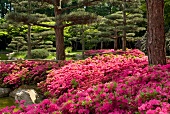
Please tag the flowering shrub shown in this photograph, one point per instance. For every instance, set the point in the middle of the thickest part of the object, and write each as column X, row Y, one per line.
column 27, row 72
column 92, row 52
column 155, row 107
column 134, row 52
column 89, row 72
column 107, row 84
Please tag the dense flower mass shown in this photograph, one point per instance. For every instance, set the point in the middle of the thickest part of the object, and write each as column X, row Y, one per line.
column 91, row 71
column 134, row 52
column 26, row 72
column 106, row 84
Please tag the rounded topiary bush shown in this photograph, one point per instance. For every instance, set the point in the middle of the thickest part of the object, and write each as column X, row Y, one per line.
column 39, row 54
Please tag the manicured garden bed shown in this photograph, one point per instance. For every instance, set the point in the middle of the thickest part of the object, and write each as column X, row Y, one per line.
column 118, row 83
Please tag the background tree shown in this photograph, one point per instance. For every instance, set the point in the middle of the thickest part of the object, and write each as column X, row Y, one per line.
column 155, row 32
column 5, row 6
column 90, row 37
column 167, row 15
column 5, row 38
column 24, row 12
column 39, row 39
column 129, row 17
column 103, row 34
column 81, row 35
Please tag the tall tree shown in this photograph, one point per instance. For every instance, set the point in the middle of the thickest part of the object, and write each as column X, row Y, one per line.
column 104, row 34
column 24, row 13
column 131, row 17
column 73, row 18
column 155, row 32
column 39, row 39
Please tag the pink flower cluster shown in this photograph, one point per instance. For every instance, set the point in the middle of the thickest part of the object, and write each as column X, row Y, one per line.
column 45, row 107
column 100, row 51
column 134, row 52
column 91, row 71
column 26, row 72
column 154, row 107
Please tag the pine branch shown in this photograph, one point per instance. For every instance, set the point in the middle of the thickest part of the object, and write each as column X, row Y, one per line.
column 44, row 25
column 79, row 17
column 81, row 4
column 20, row 41
column 35, row 43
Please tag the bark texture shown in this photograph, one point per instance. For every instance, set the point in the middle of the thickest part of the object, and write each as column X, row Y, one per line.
column 155, row 32
column 124, row 24
column 29, row 42
column 60, row 50
column 115, row 44
column 116, row 40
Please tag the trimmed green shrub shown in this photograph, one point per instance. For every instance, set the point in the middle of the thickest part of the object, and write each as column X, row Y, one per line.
column 68, row 49
column 39, row 54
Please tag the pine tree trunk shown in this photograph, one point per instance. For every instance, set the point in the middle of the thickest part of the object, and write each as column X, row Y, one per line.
column 59, row 29
column 124, row 26
column 29, row 42
column 83, row 42
column 101, row 45
column 76, row 45
column 155, row 32
column 60, row 50
column 115, row 43
column 116, row 40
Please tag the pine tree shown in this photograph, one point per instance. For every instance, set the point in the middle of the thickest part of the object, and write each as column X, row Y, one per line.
column 89, row 31
column 104, row 34
column 131, row 17
column 81, row 35
column 25, row 13
column 39, row 39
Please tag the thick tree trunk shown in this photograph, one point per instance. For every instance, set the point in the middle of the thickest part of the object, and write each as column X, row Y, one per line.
column 155, row 32
column 124, row 25
column 60, row 50
column 29, row 42
column 59, row 29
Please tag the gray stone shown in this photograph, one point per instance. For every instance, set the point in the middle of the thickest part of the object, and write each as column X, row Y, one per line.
column 4, row 92
column 29, row 95
column 24, row 95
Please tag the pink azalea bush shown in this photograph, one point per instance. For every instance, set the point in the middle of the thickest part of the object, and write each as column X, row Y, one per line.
column 154, row 107
column 107, row 84
column 134, row 52
column 26, row 72
column 99, row 51
column 86, row 73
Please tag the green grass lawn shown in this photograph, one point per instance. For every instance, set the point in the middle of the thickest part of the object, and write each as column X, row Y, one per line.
column 3, row 57
column 6, row 101
column 22, row 55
